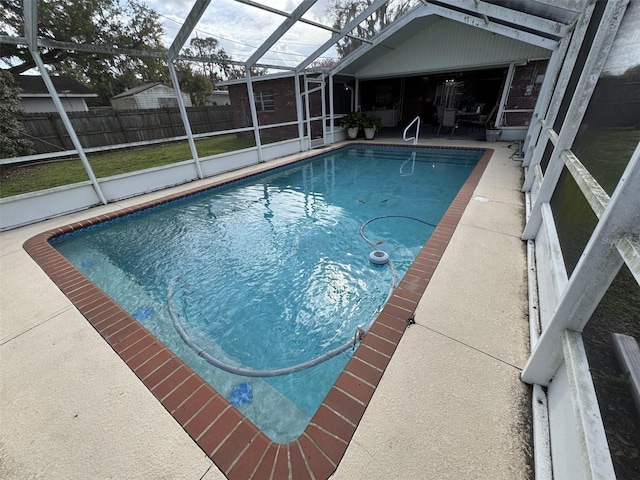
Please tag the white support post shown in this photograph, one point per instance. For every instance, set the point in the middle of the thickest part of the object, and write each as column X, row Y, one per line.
column 279, row 32
column 533, row 157
column 596, row 269
column 324, row 109
column 254, row 114
column 30, row 26
column 296, row 79
column 596, row 457
column 542, row 104
column 505, row 94
column 608, row 27
column 196, row 12
column 185, row 119
column 331, row 110
column 307, row 108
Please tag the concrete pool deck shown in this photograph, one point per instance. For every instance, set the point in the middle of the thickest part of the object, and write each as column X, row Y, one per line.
column 450, row 404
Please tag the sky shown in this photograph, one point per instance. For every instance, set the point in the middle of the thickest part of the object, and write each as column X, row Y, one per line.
column 241, row 29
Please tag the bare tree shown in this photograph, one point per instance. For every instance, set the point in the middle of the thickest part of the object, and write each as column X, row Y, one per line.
column 218, row 65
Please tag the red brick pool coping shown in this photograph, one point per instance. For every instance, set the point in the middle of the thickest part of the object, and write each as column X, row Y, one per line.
column 238, row 448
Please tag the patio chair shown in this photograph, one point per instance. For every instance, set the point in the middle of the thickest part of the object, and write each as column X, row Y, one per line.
column 449, row 120
column 483, row 120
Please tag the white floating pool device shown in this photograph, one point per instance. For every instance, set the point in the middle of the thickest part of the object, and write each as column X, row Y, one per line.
column 378, row 257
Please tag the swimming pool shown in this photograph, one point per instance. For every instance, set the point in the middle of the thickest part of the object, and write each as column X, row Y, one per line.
column 402, row 169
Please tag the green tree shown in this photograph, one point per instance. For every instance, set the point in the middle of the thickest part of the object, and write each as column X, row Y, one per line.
column 342, row 12
column 11, row 142
column 127, row 24
column 197, row 85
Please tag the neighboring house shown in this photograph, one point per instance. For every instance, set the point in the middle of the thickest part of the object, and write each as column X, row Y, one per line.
column 149, row 95
column 219, row 97
column 36, row 98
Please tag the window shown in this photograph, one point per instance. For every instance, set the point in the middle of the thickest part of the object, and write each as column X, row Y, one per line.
column 264, row 101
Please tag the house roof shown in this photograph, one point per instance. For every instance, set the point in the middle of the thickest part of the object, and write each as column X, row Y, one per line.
column 261, row 78
column 139, row 89
column 33, row 85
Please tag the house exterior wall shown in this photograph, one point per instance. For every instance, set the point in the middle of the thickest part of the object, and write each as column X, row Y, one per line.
column 284, row 101
column 159, row 96
column 523, row 94
column 448, row 45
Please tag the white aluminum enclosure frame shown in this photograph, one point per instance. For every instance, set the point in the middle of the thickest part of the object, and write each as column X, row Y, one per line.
column 564, row 305
column 559, row 306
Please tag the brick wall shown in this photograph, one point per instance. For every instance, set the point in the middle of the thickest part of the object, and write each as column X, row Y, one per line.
column 524, row 92
column 284, row 99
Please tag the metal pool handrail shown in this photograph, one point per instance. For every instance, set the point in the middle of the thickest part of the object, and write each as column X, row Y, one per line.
column 404, row 134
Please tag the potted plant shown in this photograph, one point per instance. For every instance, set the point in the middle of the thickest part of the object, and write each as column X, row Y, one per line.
column 352, row 123
column 371, row 125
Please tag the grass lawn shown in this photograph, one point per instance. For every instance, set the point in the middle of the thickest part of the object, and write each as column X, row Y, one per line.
column 17, row 179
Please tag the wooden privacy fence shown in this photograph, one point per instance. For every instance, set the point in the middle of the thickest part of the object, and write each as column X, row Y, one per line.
column 103, row 127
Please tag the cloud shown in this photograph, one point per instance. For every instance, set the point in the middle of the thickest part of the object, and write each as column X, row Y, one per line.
column 242, row 29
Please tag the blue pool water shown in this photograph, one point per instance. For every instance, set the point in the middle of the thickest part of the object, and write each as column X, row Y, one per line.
column 273, row 271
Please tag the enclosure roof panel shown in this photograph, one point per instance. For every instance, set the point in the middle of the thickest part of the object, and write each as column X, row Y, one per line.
column 300, row 34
